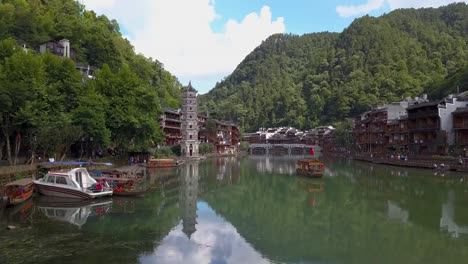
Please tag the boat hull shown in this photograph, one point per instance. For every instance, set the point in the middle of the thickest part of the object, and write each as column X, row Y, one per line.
column 129, row 193
column 310, row 174
column 25, row 197
column 49, row 190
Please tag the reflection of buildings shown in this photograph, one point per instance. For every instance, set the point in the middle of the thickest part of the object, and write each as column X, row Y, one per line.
column 447, row 221
column 396, row 213
column 282, row 165
column 77, row 215
column 228, row 169
column 188, row 196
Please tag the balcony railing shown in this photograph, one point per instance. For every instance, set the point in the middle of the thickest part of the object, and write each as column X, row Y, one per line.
column 423, row 142
column 423, row 126
column 423, row 114
column 460, row 124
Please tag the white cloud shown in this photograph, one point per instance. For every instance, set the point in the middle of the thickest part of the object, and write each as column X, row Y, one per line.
column 178, row 33
column 372, row 5
column 97, row 4
column 395, row 4
column 355, row 10
column 215, row 241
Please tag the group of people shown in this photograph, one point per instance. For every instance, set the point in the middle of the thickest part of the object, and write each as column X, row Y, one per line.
column 398, row 156
column 135, row 160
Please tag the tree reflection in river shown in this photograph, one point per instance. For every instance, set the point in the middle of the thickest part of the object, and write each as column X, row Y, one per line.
column 255, row 210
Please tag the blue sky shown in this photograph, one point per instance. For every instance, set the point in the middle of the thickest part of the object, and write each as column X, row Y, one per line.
column 204, row 40
column 300, row 16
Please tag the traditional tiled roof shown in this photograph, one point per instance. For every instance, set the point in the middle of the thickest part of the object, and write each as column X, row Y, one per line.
column 461, row 110
column 190, row 87
column 415, row 106
column 170, row 110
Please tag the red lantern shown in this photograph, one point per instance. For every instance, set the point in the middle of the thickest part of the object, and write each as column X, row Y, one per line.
column 312, row 151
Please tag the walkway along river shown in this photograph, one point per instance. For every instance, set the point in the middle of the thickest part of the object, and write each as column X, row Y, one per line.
column 253, row 210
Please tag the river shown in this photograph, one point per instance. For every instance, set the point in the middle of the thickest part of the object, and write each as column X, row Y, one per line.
column 253, row 210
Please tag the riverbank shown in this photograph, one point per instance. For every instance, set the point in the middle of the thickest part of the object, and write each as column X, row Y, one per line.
column 421, row 163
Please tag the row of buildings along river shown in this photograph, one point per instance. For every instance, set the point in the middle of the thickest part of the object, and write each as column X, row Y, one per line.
column 415, row 126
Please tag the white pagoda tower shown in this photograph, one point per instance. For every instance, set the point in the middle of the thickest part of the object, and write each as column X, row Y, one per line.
column 189, row 143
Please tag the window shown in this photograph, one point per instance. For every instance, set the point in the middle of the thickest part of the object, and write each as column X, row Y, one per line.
column 61, row 180
column 190, row 136
column 190, row 126
column 190, row 108
column 51, row 179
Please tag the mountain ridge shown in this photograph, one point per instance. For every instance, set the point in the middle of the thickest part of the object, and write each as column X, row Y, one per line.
column 319, row 78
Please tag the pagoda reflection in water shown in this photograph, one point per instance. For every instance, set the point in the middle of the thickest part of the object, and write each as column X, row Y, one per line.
column 188, row 196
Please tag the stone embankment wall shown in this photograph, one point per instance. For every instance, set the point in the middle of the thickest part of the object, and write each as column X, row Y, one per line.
column 426, row 163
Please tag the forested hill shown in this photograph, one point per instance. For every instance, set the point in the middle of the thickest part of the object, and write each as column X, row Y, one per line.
column 324, row 77
column 44, row 97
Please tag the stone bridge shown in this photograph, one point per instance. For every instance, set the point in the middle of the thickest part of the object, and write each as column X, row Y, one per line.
column 286, row 149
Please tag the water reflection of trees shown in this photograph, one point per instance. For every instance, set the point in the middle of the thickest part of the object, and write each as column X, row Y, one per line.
column 360, row 218
column 116, row 237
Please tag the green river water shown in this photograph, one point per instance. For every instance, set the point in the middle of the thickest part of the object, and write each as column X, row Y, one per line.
column 253, row 210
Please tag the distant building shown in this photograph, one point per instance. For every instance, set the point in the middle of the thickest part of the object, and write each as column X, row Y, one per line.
column 430, row 125
column 62, row 48
column 371, row 128
column 170, row 124
column 396, row 135
column 287, row 135
column 189, row 143
column 460, row 127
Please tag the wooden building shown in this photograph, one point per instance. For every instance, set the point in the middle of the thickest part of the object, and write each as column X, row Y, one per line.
column 460, row 127
column 396, row 135
column 170, row 124
column 425, row 135
column 60, row 48
column 369, row 132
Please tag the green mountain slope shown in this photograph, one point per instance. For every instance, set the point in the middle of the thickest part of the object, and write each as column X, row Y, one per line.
column 46, row 105
column 324, row 77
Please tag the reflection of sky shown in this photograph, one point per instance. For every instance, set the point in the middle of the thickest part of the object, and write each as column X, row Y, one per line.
column 215, row 241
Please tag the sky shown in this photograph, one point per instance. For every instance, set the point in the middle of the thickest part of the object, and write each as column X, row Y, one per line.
column 203, row 41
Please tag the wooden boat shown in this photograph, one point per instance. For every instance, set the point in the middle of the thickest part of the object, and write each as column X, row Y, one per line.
column 310, row 168
column 122, row 186
column 75, row 184
column 163, row 163
column 18, row 191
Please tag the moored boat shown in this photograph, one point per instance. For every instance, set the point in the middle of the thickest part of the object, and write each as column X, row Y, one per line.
column 163, row 163
column 123, row 186
column 74, row 184
column 310, row 168
column 18, row 191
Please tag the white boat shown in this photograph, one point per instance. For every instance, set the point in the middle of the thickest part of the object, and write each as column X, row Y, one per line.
column 75, row 184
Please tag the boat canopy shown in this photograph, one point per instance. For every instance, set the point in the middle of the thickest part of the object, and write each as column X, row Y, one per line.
column 162, row 160
column 76, row 163
column 309, row 162
column 22, row 182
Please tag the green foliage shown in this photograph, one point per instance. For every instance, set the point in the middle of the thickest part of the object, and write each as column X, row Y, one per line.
column 343, row 133
column 176, row 150
column 321, row 78
column 44, row 97
column 164, row 153
column 244, row 146
column 206, row 148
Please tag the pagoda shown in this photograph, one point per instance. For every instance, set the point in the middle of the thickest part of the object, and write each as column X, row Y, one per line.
column 189, row 128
